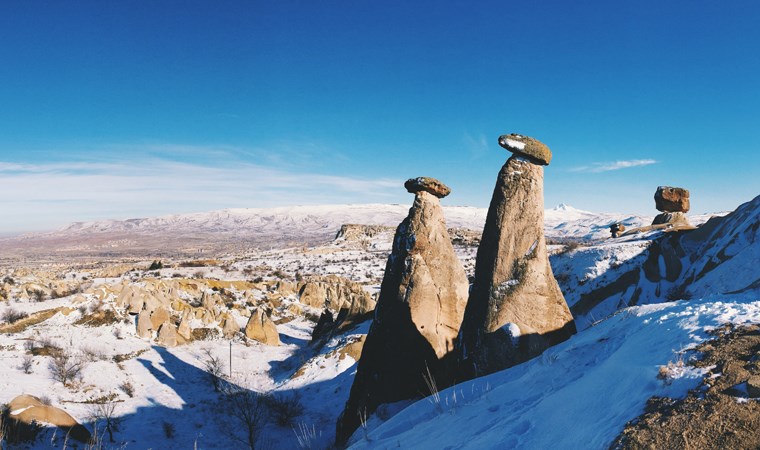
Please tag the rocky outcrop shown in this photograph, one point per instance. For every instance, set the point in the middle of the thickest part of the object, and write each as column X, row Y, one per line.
column 336, row 294
column 26, row 412
column 674, row 218
column 616, row 229
column 261, row 328
column 420, row 307
column 672, row 199
column 515, row 309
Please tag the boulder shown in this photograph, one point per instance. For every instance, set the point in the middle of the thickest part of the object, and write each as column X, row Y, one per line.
column 515, row 308
column 672, row 199
column 427, row 184
column 261, row 328
column 616, row 229
column 144, row 325
column 167, row 335
column 419, row 310
column 536, row 151
column 26, row 410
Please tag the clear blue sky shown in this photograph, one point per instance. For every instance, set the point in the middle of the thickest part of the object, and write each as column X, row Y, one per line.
column 138, row 108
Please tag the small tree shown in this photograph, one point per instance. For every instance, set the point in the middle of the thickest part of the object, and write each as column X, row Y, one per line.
column 248, row 412
column 104, row 411
column 214, row 369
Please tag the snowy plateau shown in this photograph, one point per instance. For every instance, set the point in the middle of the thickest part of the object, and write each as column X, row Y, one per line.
column 77, row 294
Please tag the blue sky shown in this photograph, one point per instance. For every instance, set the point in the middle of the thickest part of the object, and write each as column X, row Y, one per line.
column 140, row 108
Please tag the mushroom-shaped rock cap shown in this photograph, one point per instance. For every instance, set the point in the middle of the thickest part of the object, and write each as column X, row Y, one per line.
column 427, row 184
column 533, row 149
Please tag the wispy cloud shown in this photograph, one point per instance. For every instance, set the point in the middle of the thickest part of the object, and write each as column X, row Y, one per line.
column 615, row 165
column 50, row 195
column 477, row 146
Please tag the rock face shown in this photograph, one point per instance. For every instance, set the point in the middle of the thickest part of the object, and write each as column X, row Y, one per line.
column 144, row 325
column 675, row 218
column 515, row 309
column 672, row 199
column 421, row 305
column 616, row 229
column 336, row 294
column 533, row 149
column 261, row 328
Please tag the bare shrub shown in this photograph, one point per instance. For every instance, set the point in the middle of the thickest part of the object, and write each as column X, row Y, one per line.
column 65, row 368
column 127, row 388
column 11, row 315
column 248, row 412
column 214, row 368
column 39, row 295
column 27, row 364
column 199, row 274
column 284, row 409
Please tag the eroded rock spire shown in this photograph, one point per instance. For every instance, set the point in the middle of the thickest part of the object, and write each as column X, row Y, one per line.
column 515, row 309
column 419, row 310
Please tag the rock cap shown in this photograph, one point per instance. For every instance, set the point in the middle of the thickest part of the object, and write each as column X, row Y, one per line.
column 533, row 149
column 672, row 199
column 427, row 184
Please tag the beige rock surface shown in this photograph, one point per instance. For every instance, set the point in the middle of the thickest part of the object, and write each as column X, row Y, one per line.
column 261, row 328
column 515, row 308
column 421, row 305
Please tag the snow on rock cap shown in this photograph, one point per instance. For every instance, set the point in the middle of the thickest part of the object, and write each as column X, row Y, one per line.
column 427, row 184
column 535, row 150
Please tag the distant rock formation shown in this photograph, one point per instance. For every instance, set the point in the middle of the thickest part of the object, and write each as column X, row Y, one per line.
column 420, row 308
column 261, row 328
column 719, row 257
column 515, row 309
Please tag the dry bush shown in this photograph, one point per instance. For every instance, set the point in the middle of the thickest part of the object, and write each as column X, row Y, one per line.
column 284, row 409
column 27, row 363
column 214, row 368
column 66, row 368
column 10, row 315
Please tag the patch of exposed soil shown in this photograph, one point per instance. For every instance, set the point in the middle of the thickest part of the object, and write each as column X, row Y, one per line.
column 719, row 414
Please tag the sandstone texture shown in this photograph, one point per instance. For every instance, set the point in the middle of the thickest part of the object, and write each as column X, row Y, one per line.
column 515, row 309
column 672, row 199
column 533, row 149
column 419, row 310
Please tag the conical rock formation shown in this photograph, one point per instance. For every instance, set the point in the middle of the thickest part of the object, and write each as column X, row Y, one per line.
column 261, row 328
column 421, row 305
column 516, row 308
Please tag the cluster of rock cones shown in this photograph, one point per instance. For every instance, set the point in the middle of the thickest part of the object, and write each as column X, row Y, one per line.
column 431, row 328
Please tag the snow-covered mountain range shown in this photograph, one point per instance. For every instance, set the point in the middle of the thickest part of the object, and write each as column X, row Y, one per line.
column 235, row 229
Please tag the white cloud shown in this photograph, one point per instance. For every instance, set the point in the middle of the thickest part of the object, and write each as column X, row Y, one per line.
column 51, row 195
column 615, row 165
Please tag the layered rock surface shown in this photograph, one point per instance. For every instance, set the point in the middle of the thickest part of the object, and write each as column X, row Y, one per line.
column 420, row 308
column 515, row 309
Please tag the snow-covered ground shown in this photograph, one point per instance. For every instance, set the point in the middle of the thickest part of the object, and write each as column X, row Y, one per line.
column 578, row 394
